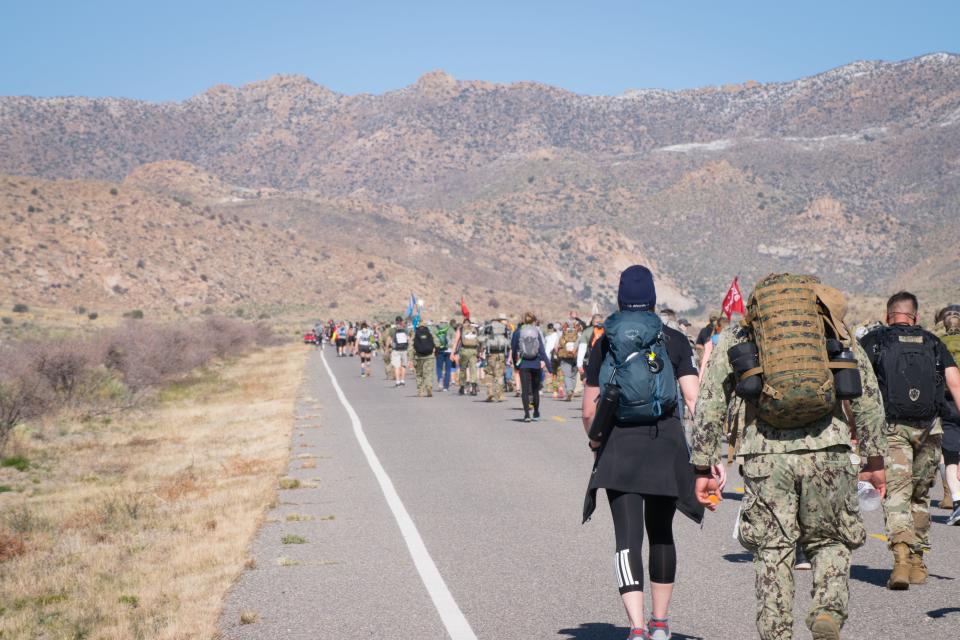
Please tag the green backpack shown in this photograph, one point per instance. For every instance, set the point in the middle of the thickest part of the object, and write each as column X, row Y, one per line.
column 790, row 323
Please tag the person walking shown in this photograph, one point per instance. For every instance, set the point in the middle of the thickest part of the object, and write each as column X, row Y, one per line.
column 799, row 467
column 423, row 359
column 443, row 333
column 566, row 352
column 950, row 336
column 530, row 361
column 911, row 365
column 365, row 346
column 642, row 463
column 398, row 339
column 466, row 348
column 496, row 344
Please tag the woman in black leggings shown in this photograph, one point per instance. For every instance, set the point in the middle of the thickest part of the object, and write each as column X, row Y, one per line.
column 530, row 368
column 643, row 465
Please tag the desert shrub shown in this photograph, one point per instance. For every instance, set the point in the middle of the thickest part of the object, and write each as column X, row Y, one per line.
column 6, row 320
column 20, row 308
column 113, row 191
column 65, row 364
column 115, row 367
column 136, row 314
column 93, row 315
column 24, row 393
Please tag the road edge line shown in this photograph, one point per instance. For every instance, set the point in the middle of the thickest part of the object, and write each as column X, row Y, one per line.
column 458, row 628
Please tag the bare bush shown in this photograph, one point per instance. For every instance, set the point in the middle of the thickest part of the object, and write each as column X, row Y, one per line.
column 65, row 364
column 24, row 393
column 115, row 367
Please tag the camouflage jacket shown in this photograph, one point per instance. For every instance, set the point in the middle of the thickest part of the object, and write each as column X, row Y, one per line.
column 716, row 392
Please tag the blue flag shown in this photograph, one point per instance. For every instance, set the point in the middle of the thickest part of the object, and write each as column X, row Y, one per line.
column 410, row 306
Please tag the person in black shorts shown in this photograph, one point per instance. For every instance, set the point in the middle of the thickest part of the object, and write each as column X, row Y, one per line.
column 644, row 469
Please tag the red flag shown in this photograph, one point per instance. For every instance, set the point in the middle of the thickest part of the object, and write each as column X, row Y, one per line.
column 463, row 309
column 733, row 301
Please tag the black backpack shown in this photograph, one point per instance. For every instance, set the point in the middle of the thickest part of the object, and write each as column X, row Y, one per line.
column 909, row 371
column 423, row 341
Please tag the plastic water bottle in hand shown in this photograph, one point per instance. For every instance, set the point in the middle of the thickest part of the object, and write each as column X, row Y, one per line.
column 868, row 495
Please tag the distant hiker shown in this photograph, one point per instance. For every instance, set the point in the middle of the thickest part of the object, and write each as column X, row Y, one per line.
column 566, row 356
column 642, row 462
column 341, row 340
column 530, row 359
column 588, row 338
column 365, row 346
column 466, row 348
column 550, row 341
column 708, row 348
column 443, row 333
column 912, row 366
column 398, row 339
column 496, row 344
column 423, row 359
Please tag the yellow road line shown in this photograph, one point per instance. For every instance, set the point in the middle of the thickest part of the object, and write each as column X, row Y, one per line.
column 558, row 418
column 878, row 536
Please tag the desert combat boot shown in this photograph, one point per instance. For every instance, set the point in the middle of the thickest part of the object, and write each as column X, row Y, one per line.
column 824, row 627
column 900, row 576
column 918, row 570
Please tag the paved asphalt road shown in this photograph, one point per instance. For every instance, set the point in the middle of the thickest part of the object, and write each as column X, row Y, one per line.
column 497, row 503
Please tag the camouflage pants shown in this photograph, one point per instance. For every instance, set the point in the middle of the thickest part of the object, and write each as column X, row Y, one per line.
column 424, row 369
column 468, row 366
column 911, row 469
column 808, row 497
column 496, row 363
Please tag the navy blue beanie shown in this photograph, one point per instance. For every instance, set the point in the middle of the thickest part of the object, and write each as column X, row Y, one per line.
column 636, row 292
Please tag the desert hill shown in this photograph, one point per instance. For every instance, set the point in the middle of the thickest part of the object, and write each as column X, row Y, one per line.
column 853, row 174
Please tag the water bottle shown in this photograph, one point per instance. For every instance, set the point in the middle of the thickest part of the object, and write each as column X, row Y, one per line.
column 868, row 495
column 744, row 357
column 603, row 419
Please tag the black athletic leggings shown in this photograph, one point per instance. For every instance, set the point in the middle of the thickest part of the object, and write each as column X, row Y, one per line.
column 530, row 384
column 628, row 523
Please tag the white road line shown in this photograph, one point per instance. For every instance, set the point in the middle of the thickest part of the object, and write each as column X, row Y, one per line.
column 453, row 619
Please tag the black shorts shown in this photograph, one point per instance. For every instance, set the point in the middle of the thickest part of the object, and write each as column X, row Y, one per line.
column 366, row 349
column 951, row 457
column 341, row 342
column 351, row 339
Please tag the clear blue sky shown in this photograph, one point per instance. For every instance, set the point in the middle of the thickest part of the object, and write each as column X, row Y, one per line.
column 171, row 49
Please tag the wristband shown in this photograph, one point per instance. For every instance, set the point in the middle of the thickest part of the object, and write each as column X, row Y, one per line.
column 593, row 448
column 702, row 472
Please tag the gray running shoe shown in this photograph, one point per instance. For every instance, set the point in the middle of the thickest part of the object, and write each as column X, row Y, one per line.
column 954, row 518
column 658, row 629
column 638, row 634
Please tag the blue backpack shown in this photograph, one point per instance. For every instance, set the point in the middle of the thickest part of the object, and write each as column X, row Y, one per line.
column 637, row 362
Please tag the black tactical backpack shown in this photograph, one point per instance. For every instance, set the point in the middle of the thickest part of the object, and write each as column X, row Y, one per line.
column 909, row 372
column 423, row 343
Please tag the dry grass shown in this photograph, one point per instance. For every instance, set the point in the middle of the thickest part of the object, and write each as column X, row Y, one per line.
column 136, row 528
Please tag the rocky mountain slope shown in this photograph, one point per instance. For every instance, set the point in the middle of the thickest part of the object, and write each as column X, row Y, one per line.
column 853, row 174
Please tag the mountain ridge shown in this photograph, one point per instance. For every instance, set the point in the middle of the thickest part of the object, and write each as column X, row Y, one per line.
column 849, row 173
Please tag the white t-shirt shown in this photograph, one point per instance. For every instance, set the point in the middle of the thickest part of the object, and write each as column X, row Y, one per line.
column 550, row 342
column 364, row 336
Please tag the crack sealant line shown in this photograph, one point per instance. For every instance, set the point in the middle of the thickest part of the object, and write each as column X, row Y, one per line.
column 458, row 628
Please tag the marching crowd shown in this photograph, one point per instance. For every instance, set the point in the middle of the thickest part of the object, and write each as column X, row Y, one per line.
column 823, row 421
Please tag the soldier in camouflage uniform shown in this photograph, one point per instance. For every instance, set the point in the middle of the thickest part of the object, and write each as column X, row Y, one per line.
column 800, row 485
column 913, row 454
column 468, row 344
column 496, row 343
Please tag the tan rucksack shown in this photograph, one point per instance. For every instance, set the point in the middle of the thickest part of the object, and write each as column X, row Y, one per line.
column 790, row 318
column 567, row 347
